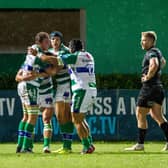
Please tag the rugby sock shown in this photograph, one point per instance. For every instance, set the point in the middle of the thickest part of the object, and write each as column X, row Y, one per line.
column 90, row 136
column 90, row 139
column 21, row 133
column 47, row 140
column 27, row 142
column 33, row 134
column 85, row 143
column 141, row 135
column 67, row 132
column 164, row 127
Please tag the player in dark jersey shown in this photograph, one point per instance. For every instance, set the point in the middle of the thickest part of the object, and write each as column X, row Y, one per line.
column 151, row 94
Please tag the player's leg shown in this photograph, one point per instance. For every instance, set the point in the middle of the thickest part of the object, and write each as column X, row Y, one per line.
column 141, row 113
column 93, row 99
column 82, row 130
column 142, row 123
column 29, row 128
column 47, row 132
column 80, row 103
column 21, row 92
column 46, row 106
column 64, row 119
column 157, row 115
column 157, row 112
column 21, row 128
column 143, row 107
column 32, row 110
column 63, row 114
column 90, row 135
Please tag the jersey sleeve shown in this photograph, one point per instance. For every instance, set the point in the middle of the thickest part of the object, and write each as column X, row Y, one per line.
column 152, row 54
column 69, row 58
column 38, row 61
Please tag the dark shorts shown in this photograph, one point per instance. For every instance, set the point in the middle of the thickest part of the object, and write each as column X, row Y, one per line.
column 149, row 95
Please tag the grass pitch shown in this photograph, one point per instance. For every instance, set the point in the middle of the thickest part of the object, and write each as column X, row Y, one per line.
column 107, row 155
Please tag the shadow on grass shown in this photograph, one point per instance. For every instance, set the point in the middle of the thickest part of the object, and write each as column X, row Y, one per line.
column 131, row 153
column 78, row 154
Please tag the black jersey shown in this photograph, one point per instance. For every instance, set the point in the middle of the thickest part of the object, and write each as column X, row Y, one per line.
column 152, row 52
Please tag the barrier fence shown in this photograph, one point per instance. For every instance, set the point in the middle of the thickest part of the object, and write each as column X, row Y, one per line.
column 111, row 118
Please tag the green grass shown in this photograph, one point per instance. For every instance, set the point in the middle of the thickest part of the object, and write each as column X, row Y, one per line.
column 107, row 155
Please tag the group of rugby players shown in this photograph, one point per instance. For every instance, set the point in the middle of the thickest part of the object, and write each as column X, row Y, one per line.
column 73, row 70
column 70, row 96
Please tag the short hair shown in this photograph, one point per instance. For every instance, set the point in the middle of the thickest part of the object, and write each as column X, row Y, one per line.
column 76, row 45
column 150, row 34
column 41, row 36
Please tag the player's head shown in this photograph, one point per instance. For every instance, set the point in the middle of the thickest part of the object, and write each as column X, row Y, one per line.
column 43, row 40
column 148, row 39
column 75, row 45
column 56, row 39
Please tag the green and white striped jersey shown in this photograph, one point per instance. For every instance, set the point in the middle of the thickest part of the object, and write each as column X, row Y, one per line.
column 46, row 84
column 81, row 70
column 34, row 63
column 62, row 77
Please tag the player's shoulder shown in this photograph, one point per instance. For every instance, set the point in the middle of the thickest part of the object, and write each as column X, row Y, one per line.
column 154, row 49
column 88, row 54
column 154, row 52
column 64, row 48
column 34, row 46
column 37, row 48
column 51, row 50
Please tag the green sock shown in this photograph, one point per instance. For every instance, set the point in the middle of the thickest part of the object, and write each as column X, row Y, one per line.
column 67, row 144
column 47, row 142
column 90, row 139
column 21, row 133
column 47, row 128
column 67, row 131
column 86, row 143
column 27, row 142
column 31, row 144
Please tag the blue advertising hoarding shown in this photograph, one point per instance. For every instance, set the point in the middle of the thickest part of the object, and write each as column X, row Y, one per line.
column 111, row 118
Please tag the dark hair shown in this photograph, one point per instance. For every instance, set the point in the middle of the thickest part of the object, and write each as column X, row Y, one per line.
column 56, row 34
column 41, row 36
column 76, row 45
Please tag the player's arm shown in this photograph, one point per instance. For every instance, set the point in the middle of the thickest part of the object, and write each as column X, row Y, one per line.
column 67, row 59
column 29, row 76
column 153, row 66
column 163, row 62
column 42, row 74
column 46, row 57
column 50, row 59
column 51, row 71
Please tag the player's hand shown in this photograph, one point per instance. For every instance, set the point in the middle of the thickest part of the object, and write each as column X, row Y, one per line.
column 144, row 78
column 32, row 51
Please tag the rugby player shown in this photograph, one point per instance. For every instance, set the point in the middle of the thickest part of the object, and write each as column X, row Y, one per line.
column 151, row 95
column 83, row 86
column 62, row 95
column 29, row 89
